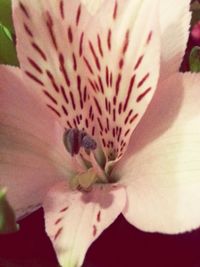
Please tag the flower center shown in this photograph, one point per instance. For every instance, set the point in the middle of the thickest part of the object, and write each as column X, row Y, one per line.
column 81, row 147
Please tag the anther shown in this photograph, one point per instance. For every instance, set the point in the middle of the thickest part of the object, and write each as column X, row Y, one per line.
column 89, row 143
column 74, row 139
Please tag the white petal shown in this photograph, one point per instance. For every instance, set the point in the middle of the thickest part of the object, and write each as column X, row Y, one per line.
column 92, row 5
column 175, row 22
column 163, row 173
column 75, row 219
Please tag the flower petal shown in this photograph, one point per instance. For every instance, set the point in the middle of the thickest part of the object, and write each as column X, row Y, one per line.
column 75, row 219
column 50, row 37
column 163, row 173
column 31, row 157
column 118, row 57
column 175, row 23
column 92, row 6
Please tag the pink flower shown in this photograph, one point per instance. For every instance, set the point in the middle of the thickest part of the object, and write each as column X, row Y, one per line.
column 196, row 32
column 110, row 71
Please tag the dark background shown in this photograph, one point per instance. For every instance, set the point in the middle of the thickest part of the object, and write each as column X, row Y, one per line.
column 121, row 245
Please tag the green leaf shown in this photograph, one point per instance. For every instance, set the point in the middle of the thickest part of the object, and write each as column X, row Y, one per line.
column 7, row 216
column 194, row 59
column 6, row 15
column 8, row 54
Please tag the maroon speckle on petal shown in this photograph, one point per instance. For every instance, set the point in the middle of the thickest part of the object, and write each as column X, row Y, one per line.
column 94, row 230
column 24, row 10
column 39, row 51
column 96, row 59
column 35, row 65
column 62, row 9
column 133, row 118
column 149, row 37
column 58, row 221
column 109, row 39
column 28, row 31
column 58, row 233
column 70, row 35
column 50, row 25
column 50, row 97
column 139, row 61
column 140, row 97
column 78, row 15
column 143, row 80
column 63, row 70
column 115, row 11
column 98, row 106
column 64, row 209
column 81, row 44
column 52, row 80
column 99, row 45
column 99, row 216
column 128, row 116
column 88, row 65
column 129, row 92
column 54, row 110
column 126, row 42
column 34, row 78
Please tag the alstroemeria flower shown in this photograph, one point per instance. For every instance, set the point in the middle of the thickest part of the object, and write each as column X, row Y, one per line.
column 68, row 119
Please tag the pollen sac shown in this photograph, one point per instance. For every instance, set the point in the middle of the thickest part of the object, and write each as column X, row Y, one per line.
column 72, row 141
column 88, row 143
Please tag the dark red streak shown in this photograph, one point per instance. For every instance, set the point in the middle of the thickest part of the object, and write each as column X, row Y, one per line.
column 99, row 45
column 50, row 97
column 62, row 9
column 115, row 10
column 34, row 78
column 129, row 92
column 72, row 100
column 95, row 56
column 54, row 110
column 78, row 14
column 143, row 80
column 39, row 50
column 63, row 70
column 140, row 97
column 35, row 65
column 64, row 94
column 28, row 31
column 51, row 77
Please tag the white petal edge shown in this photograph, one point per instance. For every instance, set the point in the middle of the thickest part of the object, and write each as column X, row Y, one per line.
column 175, row 23
column 163, row 173
column 75, row 219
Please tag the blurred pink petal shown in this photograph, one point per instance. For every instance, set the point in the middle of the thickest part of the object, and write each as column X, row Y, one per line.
column 31, row 158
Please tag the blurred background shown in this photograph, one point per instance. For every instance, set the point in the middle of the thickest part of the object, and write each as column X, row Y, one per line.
column 121, row 245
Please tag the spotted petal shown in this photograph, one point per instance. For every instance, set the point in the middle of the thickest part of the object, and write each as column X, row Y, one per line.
column 163, row 173
column 75, row 219
column 119, row 56
column 92, row 6
column 31, row 157
column 50, row 37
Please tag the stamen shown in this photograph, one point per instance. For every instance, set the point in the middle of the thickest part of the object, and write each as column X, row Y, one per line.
column 74, row 139
column 98, row 169
column 89, row 143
